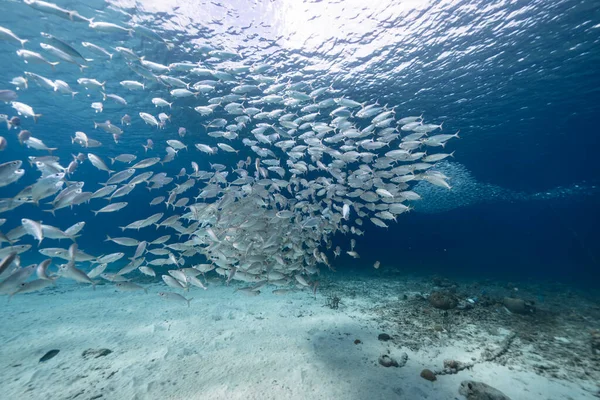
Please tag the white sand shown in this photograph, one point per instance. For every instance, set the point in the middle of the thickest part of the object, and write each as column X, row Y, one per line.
column 225, row 346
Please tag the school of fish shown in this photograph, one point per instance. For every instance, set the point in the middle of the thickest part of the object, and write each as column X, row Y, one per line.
column 315, row 163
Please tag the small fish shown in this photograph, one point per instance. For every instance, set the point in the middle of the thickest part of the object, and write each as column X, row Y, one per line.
column 7, row 34
column 148, row 146
column 130, row 287
column 98, row 163
column 123, row 241
column 14, row 281
column 126, row 120
column 109, row 27
column 175, row 297
column 41, row 270
column 145, row 163
column 25, row 110
column 70, row 271
column 7, row 96
column 32, row 286
column 149, row 119
column 132, row 85
column 124, row 158
column 20, row 82
column 96, row 49
column 98, row 106
column 33, row 228
column 147, row 271
column 89, row 83
column 111, row 208
column 35, row 58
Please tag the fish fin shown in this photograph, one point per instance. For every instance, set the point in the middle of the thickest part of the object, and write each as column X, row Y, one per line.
column 51, row 211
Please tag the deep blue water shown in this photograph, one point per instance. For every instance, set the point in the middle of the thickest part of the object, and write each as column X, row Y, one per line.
column 520, row 80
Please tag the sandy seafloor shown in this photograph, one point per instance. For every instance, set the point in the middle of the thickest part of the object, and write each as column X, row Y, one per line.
column 228, row 345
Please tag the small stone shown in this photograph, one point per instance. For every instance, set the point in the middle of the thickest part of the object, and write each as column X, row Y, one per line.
column 453, row 365
column 595, row 342
column 443, row 300
column 403, row 360
column 428, row 374
column 387, row 361
column 96, row 353
column 384, row 337
column 473, row 390
column 357, row 341
column 518, row 306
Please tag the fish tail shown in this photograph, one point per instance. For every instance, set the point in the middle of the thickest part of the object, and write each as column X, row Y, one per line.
column 73, row 94
column 103, row 96
column 188, row 301
column 108, row 238
column 35, row 117
column 23, row 41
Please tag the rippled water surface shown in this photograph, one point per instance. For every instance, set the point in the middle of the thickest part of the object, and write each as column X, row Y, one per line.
column 519, row 79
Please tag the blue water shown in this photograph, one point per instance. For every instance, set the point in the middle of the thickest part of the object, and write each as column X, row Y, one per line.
column 520, row 80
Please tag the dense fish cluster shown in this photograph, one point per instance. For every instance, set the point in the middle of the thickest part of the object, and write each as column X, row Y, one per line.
column 309, row 163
